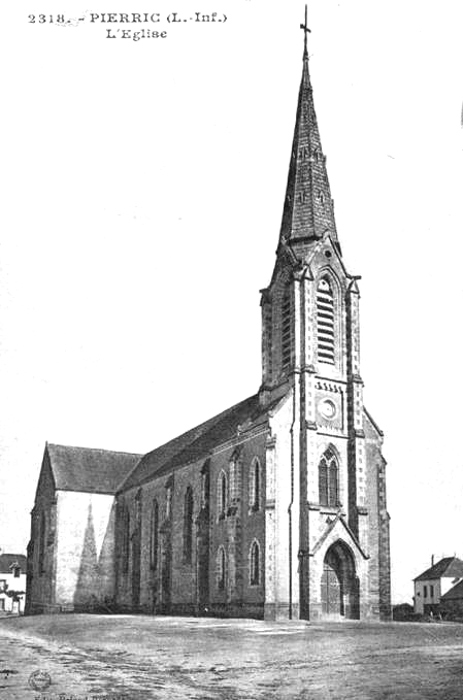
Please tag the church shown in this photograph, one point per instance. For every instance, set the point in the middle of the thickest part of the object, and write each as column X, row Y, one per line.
column 276, row 507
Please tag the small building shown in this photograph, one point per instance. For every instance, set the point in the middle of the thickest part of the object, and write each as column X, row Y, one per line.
column 12, row 583
column 451, row 605
column 433, row 584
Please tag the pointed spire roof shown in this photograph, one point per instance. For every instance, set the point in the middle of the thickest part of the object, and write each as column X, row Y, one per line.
column 308, row 209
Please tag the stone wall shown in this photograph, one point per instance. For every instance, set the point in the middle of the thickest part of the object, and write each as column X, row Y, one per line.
column 41, row 567
column 378, row 518
column 169, row 575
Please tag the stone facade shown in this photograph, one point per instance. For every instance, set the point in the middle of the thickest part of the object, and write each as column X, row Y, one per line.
column 276, row 507
column 179, row 568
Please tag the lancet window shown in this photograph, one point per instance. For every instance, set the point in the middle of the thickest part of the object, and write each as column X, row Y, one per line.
column 328, row 479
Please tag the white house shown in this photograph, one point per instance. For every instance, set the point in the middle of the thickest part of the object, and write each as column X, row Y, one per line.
column 12, row 583
column 433, row 583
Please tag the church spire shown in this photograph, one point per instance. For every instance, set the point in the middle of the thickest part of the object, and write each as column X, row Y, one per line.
column 308, row 209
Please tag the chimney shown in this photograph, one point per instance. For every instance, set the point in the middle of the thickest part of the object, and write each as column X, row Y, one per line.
column 432, row 559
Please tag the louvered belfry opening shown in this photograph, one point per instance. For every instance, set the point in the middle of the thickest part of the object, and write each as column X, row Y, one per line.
column 325, row 321
column 286, row 329
column 268, row 329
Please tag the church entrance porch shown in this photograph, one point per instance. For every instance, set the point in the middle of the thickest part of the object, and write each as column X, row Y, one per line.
column 339, row 584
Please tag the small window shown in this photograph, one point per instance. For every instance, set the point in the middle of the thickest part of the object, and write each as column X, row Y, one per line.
column 43, row 526
column 188, row 526
column 221, row 495
column 2, row 603
column 168, row 501
column 255, row 564
column 255, row 486
column 138, row 498
column 431, row 591
column 125, row 540
column 2, row 584
column 154, row 535
column 221, row 569
column 17, row 572
column 232, row 480
column 205, row 487
column 425, row 591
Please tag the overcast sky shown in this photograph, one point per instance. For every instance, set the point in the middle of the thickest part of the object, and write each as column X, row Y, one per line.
column 142, row 187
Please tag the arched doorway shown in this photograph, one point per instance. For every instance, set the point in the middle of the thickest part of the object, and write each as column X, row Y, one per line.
column 339, row 584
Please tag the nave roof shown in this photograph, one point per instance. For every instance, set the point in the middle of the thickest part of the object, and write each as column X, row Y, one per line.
column 198, row 442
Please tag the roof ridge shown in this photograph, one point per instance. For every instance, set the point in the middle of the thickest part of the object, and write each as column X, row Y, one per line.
column 200, row 425
column 196, row 441
column 440, row 568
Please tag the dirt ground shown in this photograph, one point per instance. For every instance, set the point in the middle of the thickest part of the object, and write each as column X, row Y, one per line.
column 127, row 657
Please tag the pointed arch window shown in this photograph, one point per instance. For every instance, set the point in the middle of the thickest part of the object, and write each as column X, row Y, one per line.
column 232, row 479
column 168, row 500
column 42, row 534
column 254, row 567
column 328, row 479
column 138, row 499
column 188, row 526
column 205, row 486
column 255, row 485
column 221, row 568
column 286, row 335
column 222, row 490
column 325, row 321
column 125, row 540
column 154, row 535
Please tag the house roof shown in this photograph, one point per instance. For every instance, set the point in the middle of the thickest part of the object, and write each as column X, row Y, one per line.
column 89, row 470
column 197, row 443
column 7, row 561
column 450, row 567
column 455, row 593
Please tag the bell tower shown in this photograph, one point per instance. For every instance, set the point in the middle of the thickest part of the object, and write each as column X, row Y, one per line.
column 310, row 348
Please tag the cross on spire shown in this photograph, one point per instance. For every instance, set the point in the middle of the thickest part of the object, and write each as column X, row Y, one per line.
column 306, row 31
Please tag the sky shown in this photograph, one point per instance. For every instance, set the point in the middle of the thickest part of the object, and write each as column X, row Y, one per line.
column 142, row 190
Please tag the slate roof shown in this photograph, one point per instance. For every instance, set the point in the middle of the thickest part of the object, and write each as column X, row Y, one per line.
column 7, row 560
column 89, row 470
column 198, row 442
column 450, row 567
column 308, row 208
column 455, row 593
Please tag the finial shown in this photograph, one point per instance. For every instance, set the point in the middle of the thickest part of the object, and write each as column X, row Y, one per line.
column 306, row 31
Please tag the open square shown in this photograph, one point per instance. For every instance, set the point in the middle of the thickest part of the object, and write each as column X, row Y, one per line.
column 142, row 657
